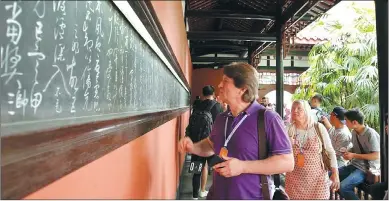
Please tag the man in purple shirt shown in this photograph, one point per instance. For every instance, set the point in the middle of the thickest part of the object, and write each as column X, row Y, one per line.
column 235, row 137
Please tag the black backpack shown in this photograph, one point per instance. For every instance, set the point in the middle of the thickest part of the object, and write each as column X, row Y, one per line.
column 200, row 123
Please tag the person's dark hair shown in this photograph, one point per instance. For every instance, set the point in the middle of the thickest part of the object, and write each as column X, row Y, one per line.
column 339, row 112
column 208, row 90
column 355, row 115
column 318, row 97
column 197, row 97
column 244, row 76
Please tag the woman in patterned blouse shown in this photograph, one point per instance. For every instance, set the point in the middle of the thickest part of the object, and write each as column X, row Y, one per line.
column 309, row 179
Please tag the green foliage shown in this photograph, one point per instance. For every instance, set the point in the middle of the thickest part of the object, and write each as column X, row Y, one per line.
column 344, row 69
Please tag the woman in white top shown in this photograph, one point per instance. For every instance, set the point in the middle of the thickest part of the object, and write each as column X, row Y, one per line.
column 309, row 179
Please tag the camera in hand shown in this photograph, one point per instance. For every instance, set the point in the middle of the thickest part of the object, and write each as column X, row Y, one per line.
column 319, row 113
column 214, row 160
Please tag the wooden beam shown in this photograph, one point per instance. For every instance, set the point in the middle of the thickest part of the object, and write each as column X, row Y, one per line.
column 304, row 11
column 33, row 160
column 198, row 53
column 286, row 68
column 220, row 24
column 231, row 36
column 146, row 12
column 226, row 14
column 219, row 59
column 291, row 52
column 211, row 65
column 260, row 68
column 215, row 46
column 290, row 12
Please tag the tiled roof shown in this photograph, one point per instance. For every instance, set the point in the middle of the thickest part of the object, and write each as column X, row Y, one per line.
column 307, row 40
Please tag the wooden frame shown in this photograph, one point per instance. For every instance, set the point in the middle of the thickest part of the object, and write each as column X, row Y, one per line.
column 33, row 160
column 146, row 12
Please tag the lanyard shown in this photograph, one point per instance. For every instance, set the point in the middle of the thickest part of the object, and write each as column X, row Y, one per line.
column 302, row 141
column 233, row 130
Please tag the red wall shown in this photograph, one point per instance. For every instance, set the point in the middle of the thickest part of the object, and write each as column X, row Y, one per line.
column 205, row 76
column 170, row 14
column 127, row 173
column 146, row 168
column 171, row 17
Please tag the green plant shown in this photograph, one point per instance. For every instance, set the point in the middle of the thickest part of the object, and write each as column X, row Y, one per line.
column 344, row 69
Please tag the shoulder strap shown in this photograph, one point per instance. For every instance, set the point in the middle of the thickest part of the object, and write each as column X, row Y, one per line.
column 262, row 135
column 210, row 106
column 316, row 125
column 362, row 150
column 262, row 151
column 360, row 146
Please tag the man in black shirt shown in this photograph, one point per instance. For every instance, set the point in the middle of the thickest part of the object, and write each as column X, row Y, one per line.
column 196, row 102
column 208, row 100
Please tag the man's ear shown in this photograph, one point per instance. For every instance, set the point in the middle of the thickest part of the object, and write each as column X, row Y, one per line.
column 242, row 91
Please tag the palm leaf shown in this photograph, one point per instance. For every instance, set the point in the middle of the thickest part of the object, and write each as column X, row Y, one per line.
column 371, row 112
column 367, row 72
column 365, row 84
column 344, row 69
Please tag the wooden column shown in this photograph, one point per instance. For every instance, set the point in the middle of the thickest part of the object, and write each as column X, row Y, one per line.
column 381, row 9
column 250, row 59
column 279, row 60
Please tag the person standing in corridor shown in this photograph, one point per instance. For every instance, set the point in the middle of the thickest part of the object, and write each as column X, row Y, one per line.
column 234, row 137
column 209, row 104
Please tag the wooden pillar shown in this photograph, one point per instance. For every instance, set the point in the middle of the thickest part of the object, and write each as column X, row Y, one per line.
column 381, row 10
column 250, row 60
column 279, row 60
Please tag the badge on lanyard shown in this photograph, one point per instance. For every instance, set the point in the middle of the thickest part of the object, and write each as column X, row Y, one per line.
column 224, row 151
column 300, row 155
column 300, row 159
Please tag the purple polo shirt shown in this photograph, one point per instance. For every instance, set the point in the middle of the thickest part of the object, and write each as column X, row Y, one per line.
column 244, row 146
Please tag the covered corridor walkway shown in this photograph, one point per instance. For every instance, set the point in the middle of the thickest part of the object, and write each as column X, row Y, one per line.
column 95, row 95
